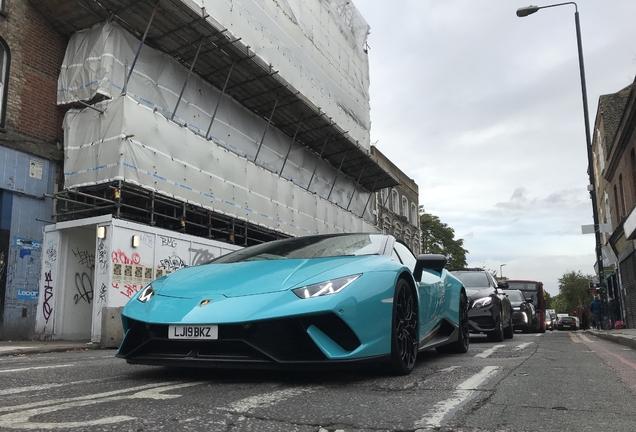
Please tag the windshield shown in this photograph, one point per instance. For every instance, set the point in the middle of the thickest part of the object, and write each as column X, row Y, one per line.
column 309, row 247
column 472, row 279
column 515, row 296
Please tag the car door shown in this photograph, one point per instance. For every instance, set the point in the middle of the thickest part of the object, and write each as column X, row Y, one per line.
column 506, row 309
column 430, row 291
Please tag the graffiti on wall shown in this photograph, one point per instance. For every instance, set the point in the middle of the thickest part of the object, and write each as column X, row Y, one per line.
column 120, row 257
column 102, row 256
column 47, row 309
column 127, row 289
column 167, row 241
column 84, row 279
column 172, row 263
column 201, row 256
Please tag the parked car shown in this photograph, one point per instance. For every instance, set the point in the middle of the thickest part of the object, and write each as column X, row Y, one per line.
column 490, row 309
column 524, row 315
column 319, row 301
column 549, row 321
column 567, row 323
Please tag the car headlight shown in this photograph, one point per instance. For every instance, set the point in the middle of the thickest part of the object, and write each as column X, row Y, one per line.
column 325, row 288
column 146, row 294
column 482, row 302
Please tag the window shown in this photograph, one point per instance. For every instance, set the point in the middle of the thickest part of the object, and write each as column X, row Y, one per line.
column 414, row 220
column 384, row 194
column 405, row 255
column 2, row 6
column 405, row 207
column 395, row 205
column 621, row 192
column 617, row 204
column 4, row 76
column 632, row 159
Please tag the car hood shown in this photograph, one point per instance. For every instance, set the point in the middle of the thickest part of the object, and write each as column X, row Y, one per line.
column 477, row 293
column 254, row 277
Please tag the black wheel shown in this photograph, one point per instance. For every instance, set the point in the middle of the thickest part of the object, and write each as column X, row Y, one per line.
column 529, row 327
column 461, row 345
column 509, row 331
column 497, row 335
column 404, row 341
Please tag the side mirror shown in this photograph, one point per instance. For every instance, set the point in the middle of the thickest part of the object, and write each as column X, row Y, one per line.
column 435, row 262
column 529, row 299
column 503, row 285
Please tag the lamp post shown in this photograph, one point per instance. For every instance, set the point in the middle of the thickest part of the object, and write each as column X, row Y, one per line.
column 500, row 271
column 523, row 12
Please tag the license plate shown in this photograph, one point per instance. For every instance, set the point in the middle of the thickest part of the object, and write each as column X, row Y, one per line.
column 193, row 332
column 566, row 326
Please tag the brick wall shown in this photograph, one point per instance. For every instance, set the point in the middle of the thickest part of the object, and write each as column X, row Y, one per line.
column 37, row 51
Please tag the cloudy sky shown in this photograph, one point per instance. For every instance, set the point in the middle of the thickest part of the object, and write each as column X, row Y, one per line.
column 484, row 111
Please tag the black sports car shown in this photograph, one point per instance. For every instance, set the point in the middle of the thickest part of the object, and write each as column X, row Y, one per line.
column 490, row 310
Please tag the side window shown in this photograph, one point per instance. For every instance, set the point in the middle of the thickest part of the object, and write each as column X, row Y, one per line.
column 405, row 255
column 4, row 77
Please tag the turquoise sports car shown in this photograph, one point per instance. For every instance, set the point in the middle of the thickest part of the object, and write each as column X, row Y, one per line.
column 305, row 302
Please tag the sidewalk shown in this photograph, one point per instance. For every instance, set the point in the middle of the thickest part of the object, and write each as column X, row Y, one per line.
column 625, row 337
column 10, row 348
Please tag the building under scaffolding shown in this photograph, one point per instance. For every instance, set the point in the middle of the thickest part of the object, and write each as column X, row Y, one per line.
column 193, row 127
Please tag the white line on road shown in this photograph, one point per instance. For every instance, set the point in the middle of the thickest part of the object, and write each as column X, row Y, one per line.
column 35, row 367
column 17, row 390
column 461, row 395
column 522, row 346
column 267, row 399
column 488, row 352
column 21, row 417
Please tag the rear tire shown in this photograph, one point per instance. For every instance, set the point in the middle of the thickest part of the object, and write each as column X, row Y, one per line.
column 404, row 340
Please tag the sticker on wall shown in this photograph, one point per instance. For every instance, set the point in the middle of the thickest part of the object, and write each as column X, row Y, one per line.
column 24, row 294
column 35, row 169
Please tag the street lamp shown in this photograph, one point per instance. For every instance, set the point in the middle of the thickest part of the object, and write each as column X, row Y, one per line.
column 500, row 271
column 523, row 12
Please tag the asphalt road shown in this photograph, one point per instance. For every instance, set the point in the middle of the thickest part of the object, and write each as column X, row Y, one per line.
column 565, row 381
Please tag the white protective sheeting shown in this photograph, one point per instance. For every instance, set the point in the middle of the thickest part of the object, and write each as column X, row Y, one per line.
column 135, row 144
column 317, row 46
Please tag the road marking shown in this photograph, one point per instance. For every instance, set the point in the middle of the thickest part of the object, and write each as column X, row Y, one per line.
column 574, row 338
column 585, row 338
column 462, row 394
column 17, row 390
column 449, row 369
column 20, row 418
column 522, row 346
column 267, row 399
column 36, row 367
column 488, row 352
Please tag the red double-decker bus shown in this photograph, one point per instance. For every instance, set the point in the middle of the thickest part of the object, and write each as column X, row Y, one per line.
column 534, row 290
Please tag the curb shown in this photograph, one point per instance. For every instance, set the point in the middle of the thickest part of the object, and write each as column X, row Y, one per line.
column 628, row 341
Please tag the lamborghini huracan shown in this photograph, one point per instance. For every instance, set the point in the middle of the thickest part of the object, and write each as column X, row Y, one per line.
column 318, row 301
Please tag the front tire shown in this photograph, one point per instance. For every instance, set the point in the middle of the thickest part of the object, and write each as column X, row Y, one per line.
column 509, row 332
column 497, row 335
column 404, row 341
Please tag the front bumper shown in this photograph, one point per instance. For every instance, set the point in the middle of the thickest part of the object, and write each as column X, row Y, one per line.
column 264, row 344
column 482, row 320
column 520, row 319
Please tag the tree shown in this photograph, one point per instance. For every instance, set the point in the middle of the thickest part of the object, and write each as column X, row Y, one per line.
column 573, row 288
column 439, row 238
